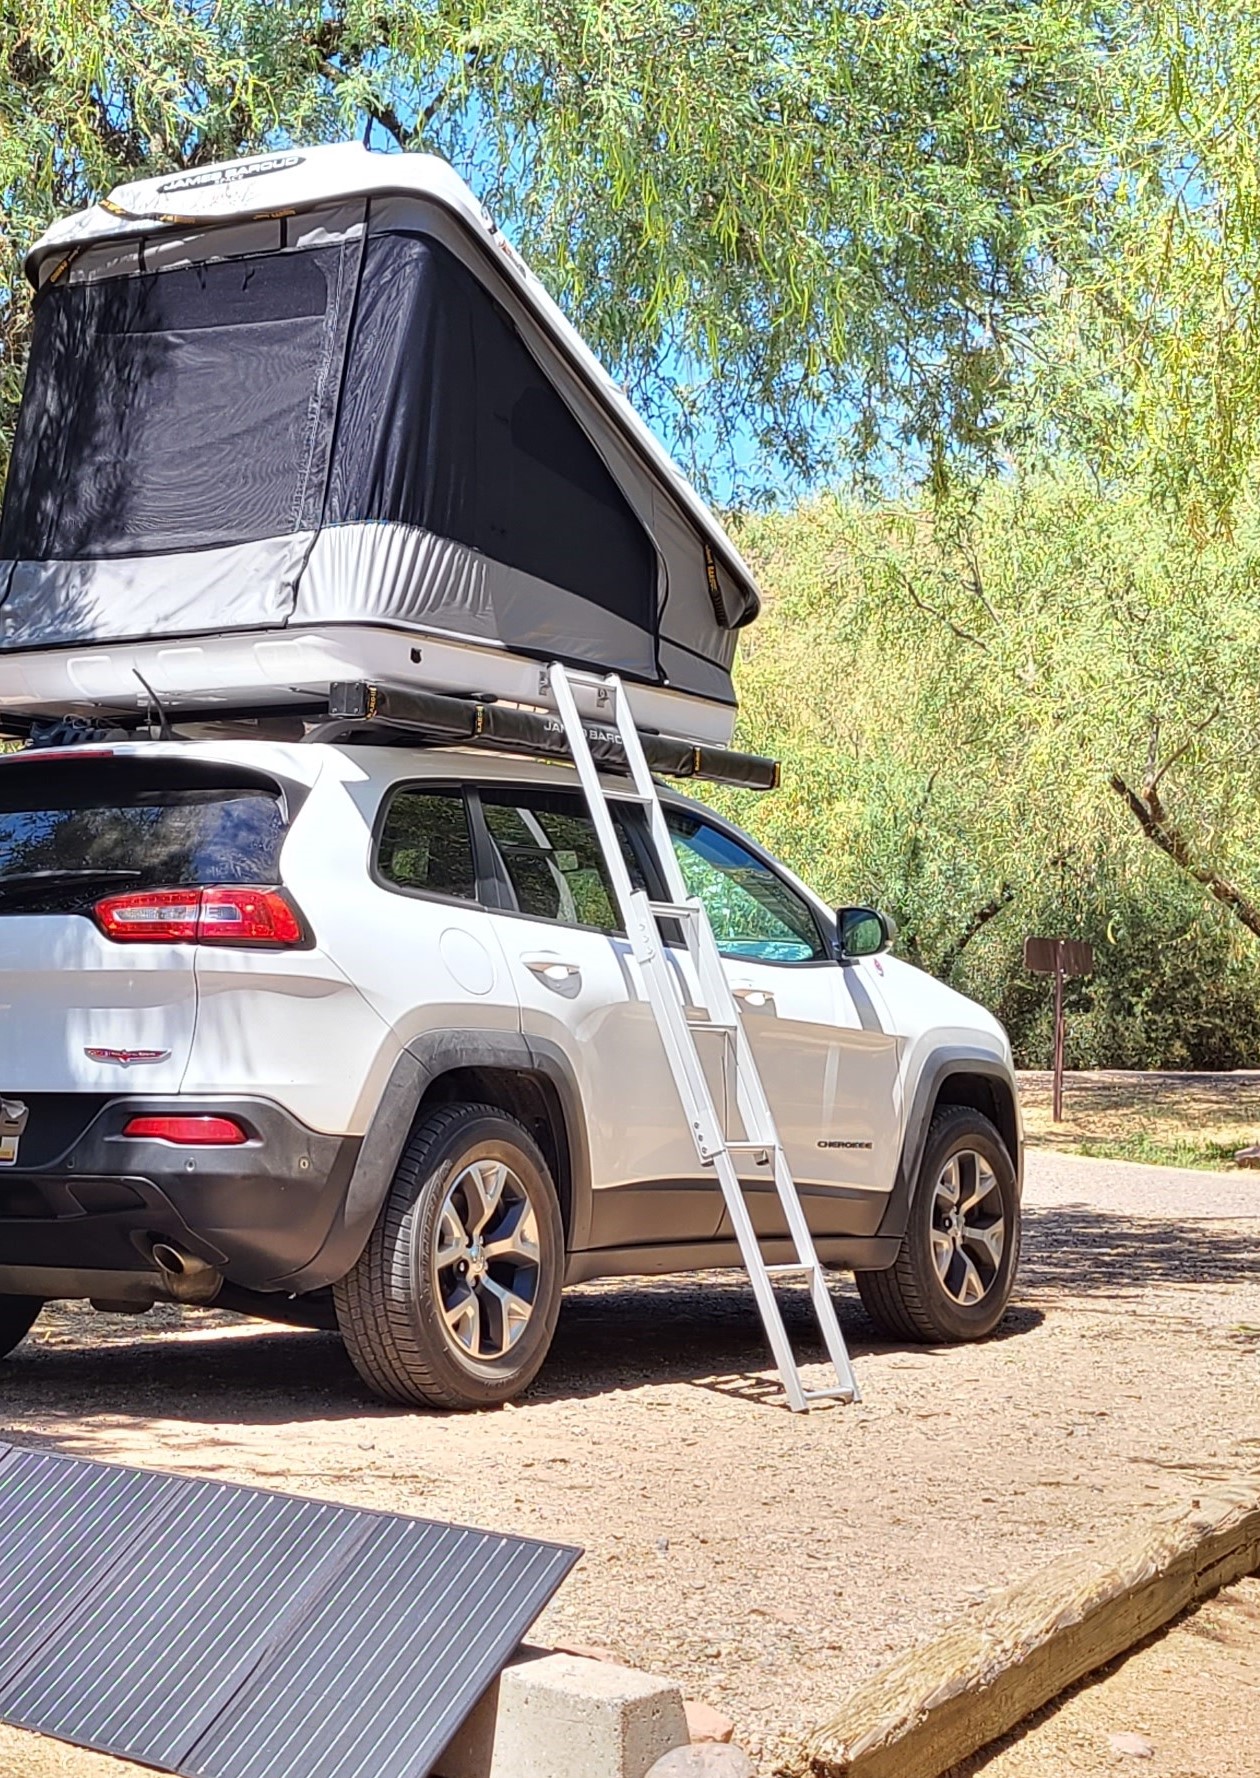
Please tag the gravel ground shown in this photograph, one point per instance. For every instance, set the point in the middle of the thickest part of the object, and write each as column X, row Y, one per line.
column 763, row 1560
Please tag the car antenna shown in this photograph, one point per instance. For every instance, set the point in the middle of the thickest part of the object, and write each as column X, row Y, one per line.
column 165, row 731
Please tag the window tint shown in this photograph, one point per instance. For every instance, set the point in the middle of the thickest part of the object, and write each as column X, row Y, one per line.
column 751, row 909
column 425, row 844
column 66, row 826
column 552, row 857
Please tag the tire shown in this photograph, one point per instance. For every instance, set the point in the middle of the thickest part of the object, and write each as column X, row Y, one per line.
column 18, row 1315
column 953, row 1276
column 471, row 1329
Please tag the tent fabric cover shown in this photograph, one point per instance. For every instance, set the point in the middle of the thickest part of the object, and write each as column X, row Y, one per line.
column 351, row 424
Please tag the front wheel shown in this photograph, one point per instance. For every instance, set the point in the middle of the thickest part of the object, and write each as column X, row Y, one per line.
column 17, row 1318
column 454, row 1301
column 953, row 1276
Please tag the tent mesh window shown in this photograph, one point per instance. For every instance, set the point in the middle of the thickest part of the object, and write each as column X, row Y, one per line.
column 173, row 411
column 222, row 403
column 448, row 423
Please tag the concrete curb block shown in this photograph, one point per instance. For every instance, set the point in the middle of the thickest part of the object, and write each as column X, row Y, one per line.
column 563, row 1716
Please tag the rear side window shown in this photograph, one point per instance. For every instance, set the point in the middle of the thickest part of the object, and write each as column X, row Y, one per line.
column 425, row 844
column 552, row 856
column 70, row 827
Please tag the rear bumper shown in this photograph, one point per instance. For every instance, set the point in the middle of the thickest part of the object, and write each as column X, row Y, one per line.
column 84, row 1222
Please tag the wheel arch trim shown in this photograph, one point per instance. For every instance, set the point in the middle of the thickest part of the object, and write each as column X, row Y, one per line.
column 416, row 1071
column 940, row 1066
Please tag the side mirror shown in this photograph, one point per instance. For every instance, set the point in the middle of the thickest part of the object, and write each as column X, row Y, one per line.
column 863, row 932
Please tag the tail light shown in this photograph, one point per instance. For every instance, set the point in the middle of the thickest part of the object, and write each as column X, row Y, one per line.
column 188, row 1132
column 219, row 916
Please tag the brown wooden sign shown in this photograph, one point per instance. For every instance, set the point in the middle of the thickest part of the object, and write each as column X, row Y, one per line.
column 1045, row 956
column 1059, row 957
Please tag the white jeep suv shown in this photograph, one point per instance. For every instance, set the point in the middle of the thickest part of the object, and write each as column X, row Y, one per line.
column 348, row 1035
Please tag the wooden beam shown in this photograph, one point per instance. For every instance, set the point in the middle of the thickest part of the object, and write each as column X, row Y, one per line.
column 984, row 1674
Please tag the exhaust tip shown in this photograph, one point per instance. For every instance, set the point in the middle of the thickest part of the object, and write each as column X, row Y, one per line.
column 185, row 1277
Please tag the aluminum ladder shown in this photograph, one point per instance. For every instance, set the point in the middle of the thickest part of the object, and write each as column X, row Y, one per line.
column 640, row 915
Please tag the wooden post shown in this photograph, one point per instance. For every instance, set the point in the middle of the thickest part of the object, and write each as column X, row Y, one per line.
column 1058, row 1032
column 1059, row 957
column 988, row 1671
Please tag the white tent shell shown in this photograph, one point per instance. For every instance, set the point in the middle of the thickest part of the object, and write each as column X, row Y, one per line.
column 308, row 417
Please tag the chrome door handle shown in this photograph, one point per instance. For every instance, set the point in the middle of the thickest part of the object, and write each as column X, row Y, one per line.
column 758, row 999
column 552, row 969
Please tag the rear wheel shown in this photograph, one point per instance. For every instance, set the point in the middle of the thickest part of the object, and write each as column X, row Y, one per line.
column 454, row 1301
column 953, row 1277
column 17, row 1317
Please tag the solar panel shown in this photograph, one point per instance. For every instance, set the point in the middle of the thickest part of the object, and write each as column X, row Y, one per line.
column 226, row 1632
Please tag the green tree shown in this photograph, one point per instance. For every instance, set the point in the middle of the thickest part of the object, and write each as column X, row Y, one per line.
column 969, row 703
column 768, row 217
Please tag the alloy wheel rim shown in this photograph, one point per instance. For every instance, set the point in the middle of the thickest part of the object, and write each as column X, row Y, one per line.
column 486, row 1261
column 968, row 1228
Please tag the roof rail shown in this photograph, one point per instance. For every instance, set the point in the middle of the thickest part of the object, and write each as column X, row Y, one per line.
column 359, row 713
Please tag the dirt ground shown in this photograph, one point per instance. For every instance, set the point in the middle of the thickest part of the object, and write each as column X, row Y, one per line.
column 763, row 1560
column 1173, row 1120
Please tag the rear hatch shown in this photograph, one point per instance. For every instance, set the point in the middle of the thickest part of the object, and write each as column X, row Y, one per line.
column 84, row 834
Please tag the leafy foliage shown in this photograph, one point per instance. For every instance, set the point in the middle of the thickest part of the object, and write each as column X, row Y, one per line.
column 952, row 695
column 774, row 220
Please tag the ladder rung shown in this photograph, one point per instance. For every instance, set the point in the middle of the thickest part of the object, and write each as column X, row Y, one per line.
column 797, row 1271
column 766, row 1148
column 713, row 1025
column 593, row 681
column 674, row 910
column 839, row 1393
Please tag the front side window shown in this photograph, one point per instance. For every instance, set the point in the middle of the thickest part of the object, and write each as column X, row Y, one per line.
column 425, row 845
column 552, row 856
column 753, row 912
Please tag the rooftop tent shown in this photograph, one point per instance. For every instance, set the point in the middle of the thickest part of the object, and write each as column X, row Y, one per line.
column 308, row 417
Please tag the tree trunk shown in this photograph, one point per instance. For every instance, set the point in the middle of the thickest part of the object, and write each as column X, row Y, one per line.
column 976, row 923
column 1149, row 813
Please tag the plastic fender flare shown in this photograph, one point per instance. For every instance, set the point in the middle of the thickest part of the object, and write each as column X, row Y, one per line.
column 426, row 1060
column 937, row 1069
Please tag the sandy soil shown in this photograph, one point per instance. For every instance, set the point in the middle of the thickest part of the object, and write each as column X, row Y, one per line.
column 1187, row 1120
column 763, row 1560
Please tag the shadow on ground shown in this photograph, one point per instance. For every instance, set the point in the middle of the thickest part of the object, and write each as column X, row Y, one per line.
column 634, row 1335
column 613, row 1336
column 1075, row 1250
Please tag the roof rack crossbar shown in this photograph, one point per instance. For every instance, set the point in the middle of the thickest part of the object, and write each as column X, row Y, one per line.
column 359, row 710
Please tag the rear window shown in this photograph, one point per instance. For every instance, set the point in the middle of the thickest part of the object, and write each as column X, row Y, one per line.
column 72, row 828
